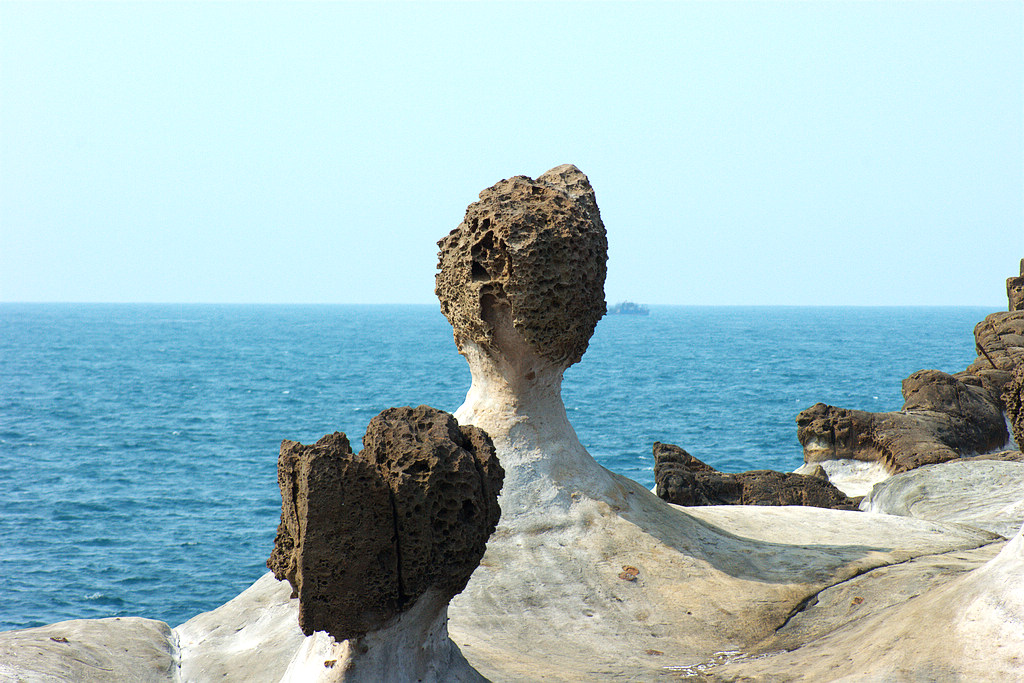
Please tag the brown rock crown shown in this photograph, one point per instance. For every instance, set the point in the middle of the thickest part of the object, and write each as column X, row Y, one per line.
column 536, row 249
column 362, row 536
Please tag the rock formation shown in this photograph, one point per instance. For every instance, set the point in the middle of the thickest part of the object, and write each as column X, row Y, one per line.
column 1015, row 290
column 682, row 479
column 963, row 624
column 985, row 494
column 530, row 256
column 944, row 417
column 999, row 339
column 588, row 576
column 392, row 531
column 1013, row 400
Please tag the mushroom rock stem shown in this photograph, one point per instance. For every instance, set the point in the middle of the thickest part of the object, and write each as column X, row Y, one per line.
column 543, row 458
column 414, row 647
column 521, row 280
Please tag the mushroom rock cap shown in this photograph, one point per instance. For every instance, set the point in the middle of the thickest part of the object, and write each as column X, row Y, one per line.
column 533, row 252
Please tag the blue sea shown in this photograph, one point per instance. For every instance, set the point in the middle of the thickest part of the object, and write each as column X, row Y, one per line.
column 138, row 443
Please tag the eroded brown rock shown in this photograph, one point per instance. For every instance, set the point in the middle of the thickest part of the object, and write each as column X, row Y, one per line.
column 362, row 536
column 1013, row 400
column 943, row 417
column 1015, row 290
column 684, row 480
column 999, row 340
column 533, row 250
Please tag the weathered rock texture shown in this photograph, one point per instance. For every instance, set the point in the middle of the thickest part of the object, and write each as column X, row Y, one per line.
column 1013, row 400
column 536, row 248
column 590, row 576
column 1015, row 290
column 944, row 417
column 999, row 339
column 985, row 494
column 682, row 479
column 363, row 536
column 113, row 650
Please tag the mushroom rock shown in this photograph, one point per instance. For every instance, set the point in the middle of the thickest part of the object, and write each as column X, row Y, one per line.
column 589, row 575
column 375, row 544
column 682, row 479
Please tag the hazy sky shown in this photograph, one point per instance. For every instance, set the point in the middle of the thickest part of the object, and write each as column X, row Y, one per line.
column 769, row 153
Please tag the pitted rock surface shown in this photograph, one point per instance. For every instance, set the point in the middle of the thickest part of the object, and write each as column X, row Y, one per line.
column 444, row 481
column 999, row 340
column 362, row 536
column 1013, row 400
column 682, row 479
column 944, row 417
column 537, row 248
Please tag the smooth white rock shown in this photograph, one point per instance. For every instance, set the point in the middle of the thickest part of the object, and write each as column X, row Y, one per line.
column 113, row 650
column 852, row 477
column 968, row 629
column 987, row 494
column 556, row 597
column 413, row 648
column 250, row 638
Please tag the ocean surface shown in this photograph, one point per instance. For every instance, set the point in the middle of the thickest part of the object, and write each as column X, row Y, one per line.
column 138, row 443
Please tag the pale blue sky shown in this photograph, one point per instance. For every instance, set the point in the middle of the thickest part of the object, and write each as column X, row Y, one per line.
column 769, row 153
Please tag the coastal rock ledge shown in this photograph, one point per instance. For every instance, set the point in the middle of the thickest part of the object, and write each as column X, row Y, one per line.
column 973, row 414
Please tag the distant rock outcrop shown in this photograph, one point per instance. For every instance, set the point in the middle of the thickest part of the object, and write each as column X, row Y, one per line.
column 999, row 340
column 1015, row 290
column 944, row 417
column 682, row 479
column 363, row 537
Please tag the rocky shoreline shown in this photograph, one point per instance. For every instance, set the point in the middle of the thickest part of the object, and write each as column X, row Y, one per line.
column 403, row 562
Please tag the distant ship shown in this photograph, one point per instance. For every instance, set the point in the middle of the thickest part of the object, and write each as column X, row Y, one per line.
column 628, row 308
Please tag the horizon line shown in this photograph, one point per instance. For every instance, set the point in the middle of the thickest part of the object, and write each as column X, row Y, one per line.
column 400, row 303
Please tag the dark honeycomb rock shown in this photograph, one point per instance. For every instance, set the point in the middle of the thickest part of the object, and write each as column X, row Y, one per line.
column 536, row 249
column 444, row 481
column 362, row 536
column 682, row 479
